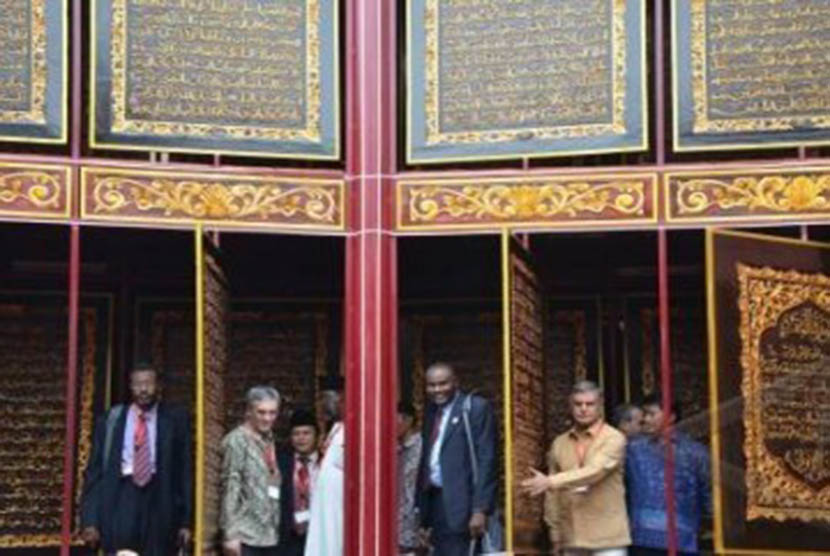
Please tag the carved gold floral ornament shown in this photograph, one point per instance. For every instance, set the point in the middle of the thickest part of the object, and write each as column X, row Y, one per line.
column 784, row 319
column 215, row 200
column 39, row 189
column 428, row 203
column 799, row 193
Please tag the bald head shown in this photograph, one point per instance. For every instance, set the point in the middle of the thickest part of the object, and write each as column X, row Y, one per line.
column 441, row 383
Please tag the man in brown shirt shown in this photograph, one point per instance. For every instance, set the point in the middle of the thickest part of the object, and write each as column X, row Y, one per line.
column 584, row 492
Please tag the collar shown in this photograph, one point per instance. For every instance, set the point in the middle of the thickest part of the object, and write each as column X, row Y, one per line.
column 591, row 432
column 149, row 414
column 312, row 457
column 447, row 407
column 264, row 437
column 674, row 435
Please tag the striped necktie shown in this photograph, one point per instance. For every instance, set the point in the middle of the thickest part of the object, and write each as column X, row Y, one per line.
column 142, row 461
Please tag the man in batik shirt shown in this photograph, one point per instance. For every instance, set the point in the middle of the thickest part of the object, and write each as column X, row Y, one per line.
column 409, row 458
column 646, row 488
column 251, row 480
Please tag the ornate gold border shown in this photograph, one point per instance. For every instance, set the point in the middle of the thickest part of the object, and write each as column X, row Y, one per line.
column 312, row 74
column 458, row 158
column 39, row 84
column 700, row 95
column 523, row 202
column 702, row 123
column 37, row 41
column 761, row 465
column 215, row 199
column 85, row 421
column 122, row 124
column 714, row 399
column 432, row 53
column 739, row 194
column 45, row 191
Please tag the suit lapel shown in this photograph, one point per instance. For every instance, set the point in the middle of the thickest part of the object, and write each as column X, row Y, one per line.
column 117, row 447
column 454, row 422
column 163, row 430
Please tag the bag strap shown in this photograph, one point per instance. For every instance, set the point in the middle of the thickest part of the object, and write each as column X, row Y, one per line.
column 465, row 414
column 112, row 418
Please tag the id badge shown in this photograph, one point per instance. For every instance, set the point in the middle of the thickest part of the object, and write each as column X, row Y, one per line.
column 274, row 492
column 302, row 517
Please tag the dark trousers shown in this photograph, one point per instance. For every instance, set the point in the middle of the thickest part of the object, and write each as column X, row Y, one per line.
column 259, row 550
column 133, row 522
column 444, row 541
column 642, row 551
column 293, row 545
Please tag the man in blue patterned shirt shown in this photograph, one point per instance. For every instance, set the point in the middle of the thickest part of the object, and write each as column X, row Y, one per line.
column 645, row 484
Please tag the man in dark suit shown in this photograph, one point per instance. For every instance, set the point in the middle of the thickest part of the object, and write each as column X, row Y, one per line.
column 137, row 488
column 453, row 507
column 298, row 466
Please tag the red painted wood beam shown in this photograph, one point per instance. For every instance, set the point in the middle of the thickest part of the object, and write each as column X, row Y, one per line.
column 666, row 383
column 371, row 280
column 71, row 389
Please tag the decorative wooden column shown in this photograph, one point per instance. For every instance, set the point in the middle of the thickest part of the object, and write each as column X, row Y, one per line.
column 371, row 280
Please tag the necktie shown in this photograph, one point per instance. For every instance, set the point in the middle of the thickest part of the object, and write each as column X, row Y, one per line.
column 142, row 462
column 301, row 492
column 433, row 440
column 436, row 428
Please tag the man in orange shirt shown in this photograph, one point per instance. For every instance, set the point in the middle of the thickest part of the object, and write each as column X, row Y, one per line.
column 584, row 492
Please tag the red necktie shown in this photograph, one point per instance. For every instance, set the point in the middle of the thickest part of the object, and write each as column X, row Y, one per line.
column 301, row 492
column 142, row 461
column 436, row 427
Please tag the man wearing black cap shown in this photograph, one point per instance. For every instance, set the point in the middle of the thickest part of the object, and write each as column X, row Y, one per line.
column 299, row 466
column 325, row 529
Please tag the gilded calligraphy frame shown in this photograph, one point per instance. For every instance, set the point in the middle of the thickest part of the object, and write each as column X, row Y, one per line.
column 733, row 534
column 693, row 128
column 765, row 481
column 45, row 121
column 426, row 144
column 95, row 372
column 109, row 126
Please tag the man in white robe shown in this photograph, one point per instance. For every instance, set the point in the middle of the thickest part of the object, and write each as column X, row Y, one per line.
column 325, row 530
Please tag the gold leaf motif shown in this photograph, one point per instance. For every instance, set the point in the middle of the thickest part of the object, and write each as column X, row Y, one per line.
column 783, row 483
column 313, row 99
column 432, row 108
column 39, row 70
column 38, row 189
column 530, row 201
column 214, row 200
column 702, row 122
column 781, row 193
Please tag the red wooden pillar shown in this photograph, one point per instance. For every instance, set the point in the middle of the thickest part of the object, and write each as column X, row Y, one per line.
column 71, row 389
column 666, row 383
column 371, row 280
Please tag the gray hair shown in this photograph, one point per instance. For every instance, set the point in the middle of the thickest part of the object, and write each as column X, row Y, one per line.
column 261, row 393
column 586, row 387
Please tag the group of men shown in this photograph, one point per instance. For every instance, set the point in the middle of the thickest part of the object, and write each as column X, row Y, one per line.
column 138, row 495
column 605, row 492
column 604, row 489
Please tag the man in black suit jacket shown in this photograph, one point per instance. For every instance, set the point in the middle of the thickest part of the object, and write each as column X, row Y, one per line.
column 137, row 487
column 298, row 466
column 454, row 508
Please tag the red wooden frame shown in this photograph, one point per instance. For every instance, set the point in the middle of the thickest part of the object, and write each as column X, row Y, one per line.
column 371, row 265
